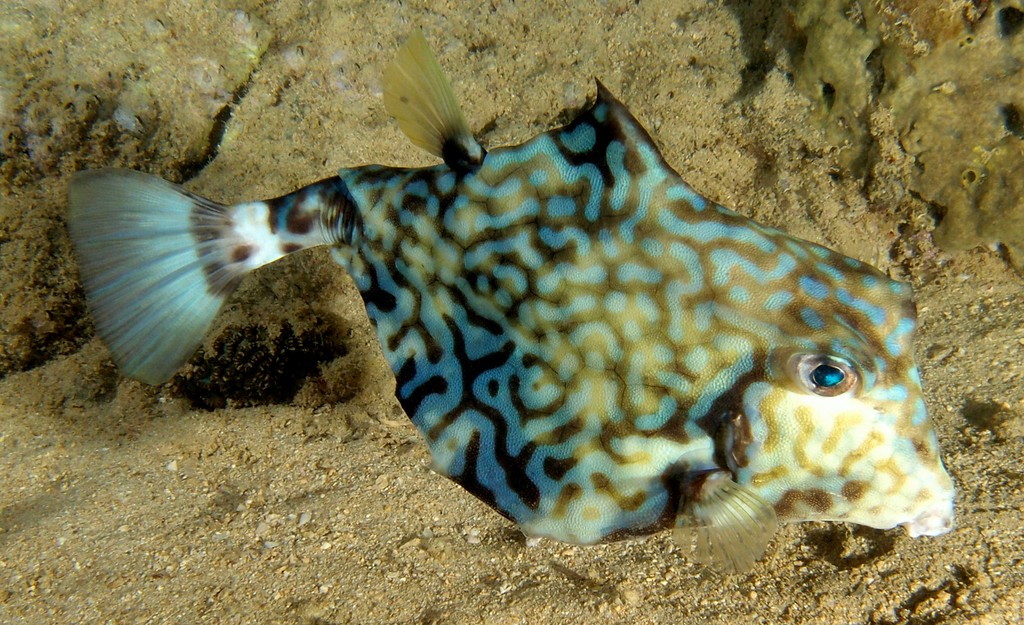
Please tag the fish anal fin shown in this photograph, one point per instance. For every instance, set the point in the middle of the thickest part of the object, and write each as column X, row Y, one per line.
column 723, row 524
column 417, row 94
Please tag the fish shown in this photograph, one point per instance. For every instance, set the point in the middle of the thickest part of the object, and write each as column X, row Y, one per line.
column 585, row 343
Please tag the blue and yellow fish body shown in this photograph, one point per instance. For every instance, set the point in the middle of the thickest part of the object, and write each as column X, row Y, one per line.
column 585, row 343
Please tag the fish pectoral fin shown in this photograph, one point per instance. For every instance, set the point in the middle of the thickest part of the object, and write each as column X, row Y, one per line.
column 418, row 95
column 722, row 523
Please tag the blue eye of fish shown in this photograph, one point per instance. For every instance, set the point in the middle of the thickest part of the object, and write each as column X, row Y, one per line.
column 824, row 375
column 827, row 376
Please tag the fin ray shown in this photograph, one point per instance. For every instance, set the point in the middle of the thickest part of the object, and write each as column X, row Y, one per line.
column 418, row 95
column 146, row 266
column 726, row 524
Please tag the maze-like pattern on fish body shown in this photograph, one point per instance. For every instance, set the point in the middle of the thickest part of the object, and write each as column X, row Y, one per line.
column 570, row 326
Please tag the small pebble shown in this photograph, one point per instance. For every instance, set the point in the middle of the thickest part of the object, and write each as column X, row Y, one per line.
column 126, row 119
column 155, row 28
column 294, row 57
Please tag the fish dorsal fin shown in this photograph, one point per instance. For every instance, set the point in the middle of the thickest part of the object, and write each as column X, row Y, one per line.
column 418, row 95
column 725, row 524
column 613, row 116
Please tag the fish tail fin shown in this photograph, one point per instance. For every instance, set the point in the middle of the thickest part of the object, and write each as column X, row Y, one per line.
column 418, row 95
column 157, row 262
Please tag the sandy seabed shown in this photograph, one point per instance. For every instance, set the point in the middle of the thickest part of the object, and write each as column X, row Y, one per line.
column 122, row 503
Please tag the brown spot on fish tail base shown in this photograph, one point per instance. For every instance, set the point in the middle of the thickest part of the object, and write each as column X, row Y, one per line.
column 301, row 218
column 299, row 222
column 326, row 202
column 274, row 208
column 241, row 253
column 209, row 224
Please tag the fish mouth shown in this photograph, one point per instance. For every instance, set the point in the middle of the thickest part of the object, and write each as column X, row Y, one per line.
column 932, row 522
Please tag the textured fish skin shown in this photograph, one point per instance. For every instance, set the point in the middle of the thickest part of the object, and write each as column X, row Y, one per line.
column 586, row 344
column 576, row 332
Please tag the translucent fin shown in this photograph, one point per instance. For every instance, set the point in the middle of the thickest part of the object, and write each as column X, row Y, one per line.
column 724, row 524
column 418, row 95
column 151, row 259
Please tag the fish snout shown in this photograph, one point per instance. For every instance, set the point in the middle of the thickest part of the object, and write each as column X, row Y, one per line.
column 932, row 522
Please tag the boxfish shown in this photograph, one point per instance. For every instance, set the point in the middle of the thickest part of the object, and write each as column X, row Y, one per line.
column 585, row 343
